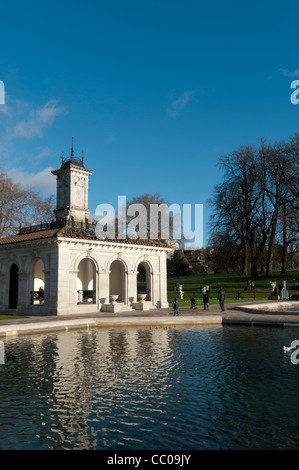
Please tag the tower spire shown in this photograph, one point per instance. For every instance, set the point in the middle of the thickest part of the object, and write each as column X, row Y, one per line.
column 72, row 151
column 72, row 198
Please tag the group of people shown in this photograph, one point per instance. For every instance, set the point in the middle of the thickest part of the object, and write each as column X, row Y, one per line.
column 250, row 285
column 206, row 299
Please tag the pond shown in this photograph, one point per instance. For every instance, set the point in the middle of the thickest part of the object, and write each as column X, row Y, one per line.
column 153, row 388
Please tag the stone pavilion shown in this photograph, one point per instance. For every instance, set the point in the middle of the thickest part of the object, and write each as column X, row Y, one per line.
column 62, row 268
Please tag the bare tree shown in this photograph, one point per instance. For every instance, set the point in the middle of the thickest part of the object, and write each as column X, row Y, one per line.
column 237, row 202
column 21, row 206
column 280, row 186
column 260, row 188
column 155, row 221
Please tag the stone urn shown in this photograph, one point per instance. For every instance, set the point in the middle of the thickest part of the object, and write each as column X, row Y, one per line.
column 141, row 297
column 113, row 299
column 181, row 292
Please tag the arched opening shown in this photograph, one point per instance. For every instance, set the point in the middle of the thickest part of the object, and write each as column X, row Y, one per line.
column 144, row 284
column 38, row 274
column 117, row 280
column 86, row 282
column 38, row 292
column 13, row 286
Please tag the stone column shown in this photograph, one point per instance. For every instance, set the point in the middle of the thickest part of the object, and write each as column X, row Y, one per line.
column 47, row 289
column 72, row 295
column 163, row 282
column 103, row 288
column 156, row 294
column 3, row 301
column 132, row 287
column 24, row 292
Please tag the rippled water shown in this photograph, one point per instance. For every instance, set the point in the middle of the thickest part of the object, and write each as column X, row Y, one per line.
column 229, row 387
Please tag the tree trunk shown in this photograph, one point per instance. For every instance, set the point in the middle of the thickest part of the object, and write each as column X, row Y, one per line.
column 246, row 259
column 271, row 245
column 284, row 243
column 253, row 249
column 262, row 262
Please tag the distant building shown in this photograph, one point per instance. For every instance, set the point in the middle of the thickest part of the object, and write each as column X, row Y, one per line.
column 194, row 257
column 62, row 268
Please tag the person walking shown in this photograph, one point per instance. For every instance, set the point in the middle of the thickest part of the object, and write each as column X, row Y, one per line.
column 221, row 298
column 193, row 302
column 206, row 298
column 175, row 307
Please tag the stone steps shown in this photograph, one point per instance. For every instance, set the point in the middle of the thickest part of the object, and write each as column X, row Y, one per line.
column 117, row 307
column 124, row 307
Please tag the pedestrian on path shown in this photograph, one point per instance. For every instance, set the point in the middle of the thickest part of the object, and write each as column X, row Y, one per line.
column 206, row 298
column 221, row 298
column 175, row 307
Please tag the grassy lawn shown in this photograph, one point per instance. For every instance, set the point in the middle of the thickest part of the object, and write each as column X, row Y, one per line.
column 231, row 283
column 11, row 317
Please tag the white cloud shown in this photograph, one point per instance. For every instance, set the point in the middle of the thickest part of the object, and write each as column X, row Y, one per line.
column 287, row 73
column 44, row 152
column 19, row 122
column 12, row 108
column 44, row 180
column 39, row 119
column 178, row 104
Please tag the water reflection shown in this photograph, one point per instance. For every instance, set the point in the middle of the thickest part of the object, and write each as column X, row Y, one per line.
column 150, row 388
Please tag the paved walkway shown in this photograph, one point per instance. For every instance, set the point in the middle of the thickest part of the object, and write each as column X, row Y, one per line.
column 162, row 317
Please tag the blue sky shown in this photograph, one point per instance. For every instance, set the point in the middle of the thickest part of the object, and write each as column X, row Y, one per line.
column 153, row 92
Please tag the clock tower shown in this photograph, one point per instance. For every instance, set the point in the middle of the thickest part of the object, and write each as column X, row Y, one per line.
column 72, row 189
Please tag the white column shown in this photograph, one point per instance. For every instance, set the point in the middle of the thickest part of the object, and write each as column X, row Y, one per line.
column 47, row 289
column 72, row 294
column 163, row 282
column 132, row 287
column 23, row 293
column 3, row 304
column 103, row 288
column 156, row 293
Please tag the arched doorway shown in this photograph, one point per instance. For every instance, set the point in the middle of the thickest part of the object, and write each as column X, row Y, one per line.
column 38, row 292
column 117, row 280
column 13, row 286
column 38, row 275
column 86, row 282
column 144, row 283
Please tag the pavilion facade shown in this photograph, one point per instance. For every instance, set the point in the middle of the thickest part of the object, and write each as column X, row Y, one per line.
column 62, row 268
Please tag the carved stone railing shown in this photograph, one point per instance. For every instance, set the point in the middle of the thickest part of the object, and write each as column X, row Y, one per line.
column 86, row 297
column 40, row 227
column 37, row 297
column 87, row 225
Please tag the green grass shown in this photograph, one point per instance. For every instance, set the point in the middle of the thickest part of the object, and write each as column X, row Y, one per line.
column 11, row 317
column 231, row 283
